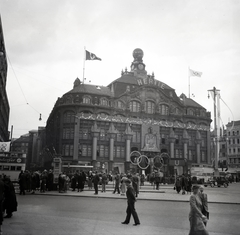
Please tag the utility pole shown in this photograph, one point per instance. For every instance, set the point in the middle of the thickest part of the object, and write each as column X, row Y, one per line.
column 216, row 95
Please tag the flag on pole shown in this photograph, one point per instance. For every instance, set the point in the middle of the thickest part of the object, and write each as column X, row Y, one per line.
column 91, row 56
column 194, row 73
column 5, row 146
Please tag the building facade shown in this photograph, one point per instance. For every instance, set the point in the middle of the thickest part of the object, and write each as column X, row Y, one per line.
column 233, row 146
column 4, row 105
column 136, row 122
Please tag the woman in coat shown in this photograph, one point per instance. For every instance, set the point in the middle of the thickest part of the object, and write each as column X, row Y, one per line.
column 196, row 216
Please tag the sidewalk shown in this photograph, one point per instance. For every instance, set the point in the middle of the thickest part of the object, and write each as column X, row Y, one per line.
column 228, row 195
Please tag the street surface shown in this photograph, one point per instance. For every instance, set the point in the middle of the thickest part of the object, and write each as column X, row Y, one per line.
column 86, row 214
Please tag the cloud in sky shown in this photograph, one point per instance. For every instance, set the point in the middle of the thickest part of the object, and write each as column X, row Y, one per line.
column 45, row 45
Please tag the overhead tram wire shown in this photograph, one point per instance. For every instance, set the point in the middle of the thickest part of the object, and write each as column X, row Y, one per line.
column 230, row 111
column 40, row 118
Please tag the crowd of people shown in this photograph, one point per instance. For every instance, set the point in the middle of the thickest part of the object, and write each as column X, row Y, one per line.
column 124, row 184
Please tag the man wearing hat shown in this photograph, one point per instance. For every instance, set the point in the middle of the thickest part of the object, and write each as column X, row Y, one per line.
column 131, row 199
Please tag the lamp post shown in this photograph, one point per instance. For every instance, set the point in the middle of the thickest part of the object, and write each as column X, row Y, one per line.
column 216, row 95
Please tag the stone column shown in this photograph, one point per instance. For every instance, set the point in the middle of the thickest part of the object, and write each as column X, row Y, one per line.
column 198, row 142
column 172, row 141
column 112, row 134
column 128, row 137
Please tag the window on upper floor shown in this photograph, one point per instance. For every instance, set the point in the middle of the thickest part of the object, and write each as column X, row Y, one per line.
column 164, row 109
column 135, row 106
column 120, row 104
column 104, row 102
column 86, row 100
column 150, row 107
column 69, row 117
column 190, row 112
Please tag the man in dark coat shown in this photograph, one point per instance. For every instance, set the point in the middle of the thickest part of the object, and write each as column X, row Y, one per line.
column 96, row 180
column 22, row 182
column 131, row 199
column 10, row 201
column 50, row 180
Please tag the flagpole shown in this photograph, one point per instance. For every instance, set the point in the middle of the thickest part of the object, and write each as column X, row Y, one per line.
column 84, row 59
column 188, row 84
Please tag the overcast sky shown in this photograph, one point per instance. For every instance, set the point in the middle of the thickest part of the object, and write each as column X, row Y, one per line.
column 45, row 43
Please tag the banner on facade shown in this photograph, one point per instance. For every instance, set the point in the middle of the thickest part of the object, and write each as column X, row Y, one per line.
column 5, row 146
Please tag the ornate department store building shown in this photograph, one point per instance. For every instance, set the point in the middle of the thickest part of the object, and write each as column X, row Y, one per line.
column 136, row 122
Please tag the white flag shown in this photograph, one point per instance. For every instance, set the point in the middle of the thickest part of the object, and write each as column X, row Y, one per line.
column 194, row 73
column 5, row 146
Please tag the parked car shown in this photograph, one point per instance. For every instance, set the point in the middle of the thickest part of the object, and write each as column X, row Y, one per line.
column 218, row 181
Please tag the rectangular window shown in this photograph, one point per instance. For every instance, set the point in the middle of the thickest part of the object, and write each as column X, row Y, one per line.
column 119, row 151
column 103, row 151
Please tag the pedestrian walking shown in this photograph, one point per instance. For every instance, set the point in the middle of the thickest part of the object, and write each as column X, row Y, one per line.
column 196, row 217
column 136, row 183
column 131, row 199
column 178, row 185
column 22, row 182
column 104, row 182
column 157, row 180
column 117, row 184
column 204, row 199
column 123, row 185
column 96, row 180
column 90, row 179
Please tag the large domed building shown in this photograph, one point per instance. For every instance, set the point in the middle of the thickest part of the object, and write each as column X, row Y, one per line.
column 136, row 122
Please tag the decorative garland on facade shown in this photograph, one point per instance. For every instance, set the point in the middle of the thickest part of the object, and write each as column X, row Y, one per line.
column 175, row 124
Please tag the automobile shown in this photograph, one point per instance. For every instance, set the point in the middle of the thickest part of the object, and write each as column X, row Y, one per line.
column 218, row 181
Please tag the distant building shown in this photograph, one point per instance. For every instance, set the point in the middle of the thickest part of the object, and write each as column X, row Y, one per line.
column 107, row 127
column 4, row 105
column 233, row 146
column 33, row 145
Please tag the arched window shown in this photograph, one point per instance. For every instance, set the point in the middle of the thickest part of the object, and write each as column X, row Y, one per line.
column 104, row 102
column 190, row 112
column 120, row 104
column 86, row 100
column 150, row 107
column 163, row 109
column 135, row 106
column 177, row 111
